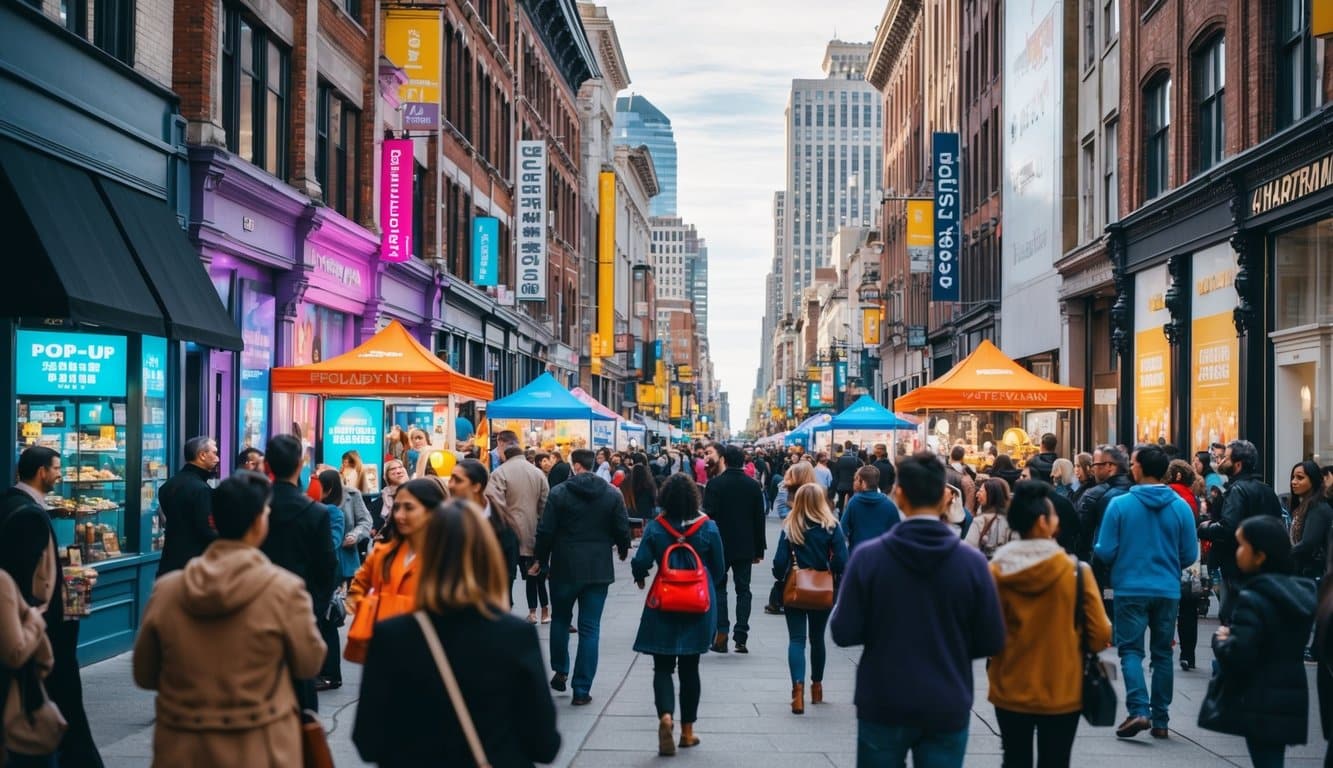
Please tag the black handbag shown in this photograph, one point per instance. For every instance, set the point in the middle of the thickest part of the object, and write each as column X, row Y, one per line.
column 1099, row 698
column 1214, row 714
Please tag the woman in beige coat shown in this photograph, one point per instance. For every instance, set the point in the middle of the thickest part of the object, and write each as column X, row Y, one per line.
column 221, row 640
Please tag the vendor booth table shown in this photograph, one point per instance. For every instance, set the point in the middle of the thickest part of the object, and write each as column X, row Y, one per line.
column 547, row 415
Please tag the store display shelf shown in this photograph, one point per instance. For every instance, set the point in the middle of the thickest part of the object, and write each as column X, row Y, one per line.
column 109, row 481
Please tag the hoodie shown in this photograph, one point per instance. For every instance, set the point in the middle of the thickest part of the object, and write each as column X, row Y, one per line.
column 923, row 606
column 869, row 515
column 1040, row 670
column 1147, row 537
column 228, row 578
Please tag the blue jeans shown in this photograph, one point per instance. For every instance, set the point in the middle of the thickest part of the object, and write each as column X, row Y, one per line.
column 591, row 599
column 796, row 634
column 1133, row 617
column 886, row 746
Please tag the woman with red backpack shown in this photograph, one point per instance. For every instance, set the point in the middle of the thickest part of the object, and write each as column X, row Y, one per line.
column 680, row 613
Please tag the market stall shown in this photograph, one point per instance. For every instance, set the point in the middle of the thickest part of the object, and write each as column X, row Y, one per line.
column 621, row 434
column 546, row 415
column 804, row 433
column 865, row 422
column 990, row 402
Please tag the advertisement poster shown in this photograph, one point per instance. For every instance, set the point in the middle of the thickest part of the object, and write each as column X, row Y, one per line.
column 530, row 210
column 1152, row 358
column 396, row 171
column 920, row 235
column 355, row 425
column 56, row 363
column 826, row 384
column 603, row 434
column 1215, row 350
column 256, row 360
column 412, row 41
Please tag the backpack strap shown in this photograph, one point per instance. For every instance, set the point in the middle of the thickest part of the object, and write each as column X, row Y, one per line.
column 677, row 535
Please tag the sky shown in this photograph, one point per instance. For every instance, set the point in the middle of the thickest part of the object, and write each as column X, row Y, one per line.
column 721, row 70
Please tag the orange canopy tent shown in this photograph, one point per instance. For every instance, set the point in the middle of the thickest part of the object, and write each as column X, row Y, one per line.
column 987, row 380
column 390, row 363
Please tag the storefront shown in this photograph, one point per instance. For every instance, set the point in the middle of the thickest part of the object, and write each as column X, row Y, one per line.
column 94, row 339
column 1087, row 290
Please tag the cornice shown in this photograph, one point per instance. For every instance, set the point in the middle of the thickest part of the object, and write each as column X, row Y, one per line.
column 894, row 28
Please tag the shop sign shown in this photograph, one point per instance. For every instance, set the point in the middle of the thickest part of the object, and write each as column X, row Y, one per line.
column 1215, row 350
column 154, row 366
column 421, row 116
column 840, row 376
column 485, row 251
column 396, row 168
column 531, row 207
column 355, row 425
column 826, row 384
column 916, row 337
column 603, row 433
column 944, row 285
column 345, row 275
column 812, row 395
column 870, row 326
column 1152, row 356
column 412, row 41
column 624, row 342
column 57, row 363
column 1290, row 187
column 920, row 238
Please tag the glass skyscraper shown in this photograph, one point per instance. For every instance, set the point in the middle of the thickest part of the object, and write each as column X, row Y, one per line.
column 639, row 122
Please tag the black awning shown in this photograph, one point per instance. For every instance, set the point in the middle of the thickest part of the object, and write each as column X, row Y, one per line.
column 69, row 257
column 172, row 268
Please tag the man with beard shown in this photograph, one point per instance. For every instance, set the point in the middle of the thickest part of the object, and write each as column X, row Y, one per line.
column 1110, row 466
column 1246, row 496
column 736, row 504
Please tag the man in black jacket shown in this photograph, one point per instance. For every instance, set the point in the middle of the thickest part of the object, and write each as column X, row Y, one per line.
column 300, row 537
column 1247, row 495
column 1110, row 466
column 1070, row 525
column 186, row 503
column 24, row 518
column 736, row 504
column 585, row 517
column 844, row 473
column 887, row 472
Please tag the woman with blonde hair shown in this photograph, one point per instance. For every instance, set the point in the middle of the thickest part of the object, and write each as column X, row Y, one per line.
column 1062, row 477
column 417, row 458
column 811, row 538
column 800, row 473
column 407, row 715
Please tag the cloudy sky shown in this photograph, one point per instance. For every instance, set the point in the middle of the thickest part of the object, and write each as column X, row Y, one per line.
column 721, row 70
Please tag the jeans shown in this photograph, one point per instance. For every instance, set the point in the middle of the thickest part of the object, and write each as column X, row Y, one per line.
column 797, row 620
column 1055, row 738
column 740, row 572
column 886, row 746
column 591, row 599
column 536, row 585
column 664, row 690
column 1133, row 617
column 1265, row 754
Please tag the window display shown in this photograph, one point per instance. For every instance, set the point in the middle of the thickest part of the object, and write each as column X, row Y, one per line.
column 155, row 469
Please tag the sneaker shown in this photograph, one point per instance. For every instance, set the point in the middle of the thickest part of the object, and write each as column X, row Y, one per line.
column 558, row 681
column 1132, row 727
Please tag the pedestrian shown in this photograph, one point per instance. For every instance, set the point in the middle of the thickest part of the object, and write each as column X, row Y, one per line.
column 924, row 606
column 1180, row 478
column 344, row 516
column 1044, row 469
column 990, row 529
column 1263, row 694
column 406, row 716
column 300, row 539
column 560, row 470
column 869, row 514
column 736, row 504
column 25, row 519
column 676, row 640
column 185, row 506
column 823, row 473
column 967, row 484
column 844, row 474
column 799, row 474
column 640, row 496
column 249, row 459
column 395, row 474
column 1036, row 680
column 1084, row 479
column 1146, row 539
column 24, row 646
column 353, row 472
column 1110, row 468
column 356, row 522
column 1203, row 466
column 221, row 640
column 469, row 480
column 584, row 519
column 520, row 489
column 811, row 538
column 396, row 445
column 1247, row 495
column 418, row 454
column 1310, row 520
column 604, row 464
column 1063, row 478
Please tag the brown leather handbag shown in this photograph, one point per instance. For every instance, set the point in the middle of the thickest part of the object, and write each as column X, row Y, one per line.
column 315, row 751
column 807, row 589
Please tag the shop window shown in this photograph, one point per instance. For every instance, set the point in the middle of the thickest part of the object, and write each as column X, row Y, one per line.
column 255, row 88
column 113, row 28
column 1304, row 284
column 1209, row 85
column 1157, row 128
column 337, row 132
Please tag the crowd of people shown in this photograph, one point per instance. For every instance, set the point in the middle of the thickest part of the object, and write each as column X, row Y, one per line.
column 1036, row 568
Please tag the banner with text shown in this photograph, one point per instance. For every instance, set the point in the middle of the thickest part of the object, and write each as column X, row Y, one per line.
column 920, row 235
column 1215, row 349
column 531, row 209
column 944, row 285
column 355, row 425
column 1152, row 358
column 412, row 41
column 396, row 171
column 485, row 251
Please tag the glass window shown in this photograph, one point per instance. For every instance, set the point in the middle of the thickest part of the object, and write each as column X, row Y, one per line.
column 255, row 87
column 1304, row 284
column 1301, row 83
column 1110, row 21
column 113, row 28
column 1209, row 83
column 337, row 127
column 1157, row 125
column 1089, row 33
column 1111, row 173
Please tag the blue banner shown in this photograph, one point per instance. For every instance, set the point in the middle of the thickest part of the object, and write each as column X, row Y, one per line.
column 154, row 367
column 355, row 425
column 485, row 251
column 840, row 376
column 58, row 363
column 944, row 283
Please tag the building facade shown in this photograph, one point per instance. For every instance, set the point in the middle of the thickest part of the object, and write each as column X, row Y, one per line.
column 639, row 122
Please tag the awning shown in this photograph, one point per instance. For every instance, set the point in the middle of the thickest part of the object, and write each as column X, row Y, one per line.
column 175, row 275
column 987, row 380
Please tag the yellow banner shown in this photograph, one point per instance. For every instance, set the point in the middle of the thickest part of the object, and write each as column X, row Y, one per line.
column 1322, row 21
column 1214, row 381
column 606, row 262
column 675, row 402
column 647, row 395
column 920, row 224
column 870, row 326
column 1152, row 386
column 412, row 41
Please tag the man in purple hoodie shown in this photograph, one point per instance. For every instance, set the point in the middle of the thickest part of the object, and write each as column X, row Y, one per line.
column 924, row 607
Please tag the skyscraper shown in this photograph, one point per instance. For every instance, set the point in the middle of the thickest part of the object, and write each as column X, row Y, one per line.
column 639, row 122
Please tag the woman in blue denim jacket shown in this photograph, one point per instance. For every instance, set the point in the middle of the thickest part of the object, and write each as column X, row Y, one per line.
column 813, row 536
column 676, row 640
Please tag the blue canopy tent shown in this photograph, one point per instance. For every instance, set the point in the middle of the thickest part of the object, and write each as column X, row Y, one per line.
column 864, row 414
column 805, row 430
column 545, row 398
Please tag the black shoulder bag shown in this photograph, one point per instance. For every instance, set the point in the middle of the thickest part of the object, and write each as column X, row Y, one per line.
column 1099, row 699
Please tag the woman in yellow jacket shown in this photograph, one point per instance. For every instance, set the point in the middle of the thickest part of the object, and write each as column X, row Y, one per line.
column 1036, row 682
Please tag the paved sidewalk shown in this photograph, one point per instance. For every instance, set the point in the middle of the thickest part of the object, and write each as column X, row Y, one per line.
column 744, row 718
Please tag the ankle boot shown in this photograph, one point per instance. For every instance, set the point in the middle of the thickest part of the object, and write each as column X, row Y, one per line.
column 798, row 698
column 687, row 737
column 816, row 693
column 666, row 744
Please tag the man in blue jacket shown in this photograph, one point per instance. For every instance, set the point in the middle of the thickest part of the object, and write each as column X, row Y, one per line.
column 1147, row 538
column 924, row 606
column 869, row 513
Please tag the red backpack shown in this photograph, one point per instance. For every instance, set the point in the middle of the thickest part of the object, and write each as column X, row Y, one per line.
column 680, row 590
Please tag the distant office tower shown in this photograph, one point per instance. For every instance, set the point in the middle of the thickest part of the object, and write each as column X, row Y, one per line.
column 639, row 122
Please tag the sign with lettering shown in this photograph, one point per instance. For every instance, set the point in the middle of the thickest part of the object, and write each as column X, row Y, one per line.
column 354, row 425
column 1152, row 357
column 412, row 41
column 396, row 171
column 1290, row 187
column 59, row 363
column 530, row 210
column 920, row 235
column 485, row 251
column 421, row 116
column 1214, row 349
column 944, row 284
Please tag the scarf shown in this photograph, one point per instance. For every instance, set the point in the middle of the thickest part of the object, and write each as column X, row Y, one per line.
column 1298, row 518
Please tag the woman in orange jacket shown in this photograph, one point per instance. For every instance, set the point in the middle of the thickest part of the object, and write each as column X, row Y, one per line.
column 1036, row 682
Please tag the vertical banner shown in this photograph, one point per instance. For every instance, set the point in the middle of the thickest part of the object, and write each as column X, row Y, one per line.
column 606, row 262
column 920, row 235
column 531, row 207
column 1214, row 350
column 944, row 285
column 870, row 326
column 840, row 376
column 826, row 384
column 412, row 41
column 396, row 169
column 485, row 243
column 1152, row 358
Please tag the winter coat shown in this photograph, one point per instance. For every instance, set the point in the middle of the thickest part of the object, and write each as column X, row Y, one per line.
column 520, row 489
column 886, row 470
column 996, row 530
column 220, row 642
column 1246, row 497
column 402, row 580
column 1264, row 688
column 679, row 634
column 300, row 540
column 868, row 515
column 1147, row 538
column 356, row 522
column 186, row 503
column 22, row 631
column 822, row 550
column 782, row 502
column 1092, row 507
column 736, row 504
column 560, row 472
column 1040, row 670
column 1310, row 553
column 844, row 472
column 584, row 518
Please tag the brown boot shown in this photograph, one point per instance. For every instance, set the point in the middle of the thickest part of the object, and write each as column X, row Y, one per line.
column 719, row 643
column 666, row 745
column 798, row 698
column 687, row 737
column 816, row 693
